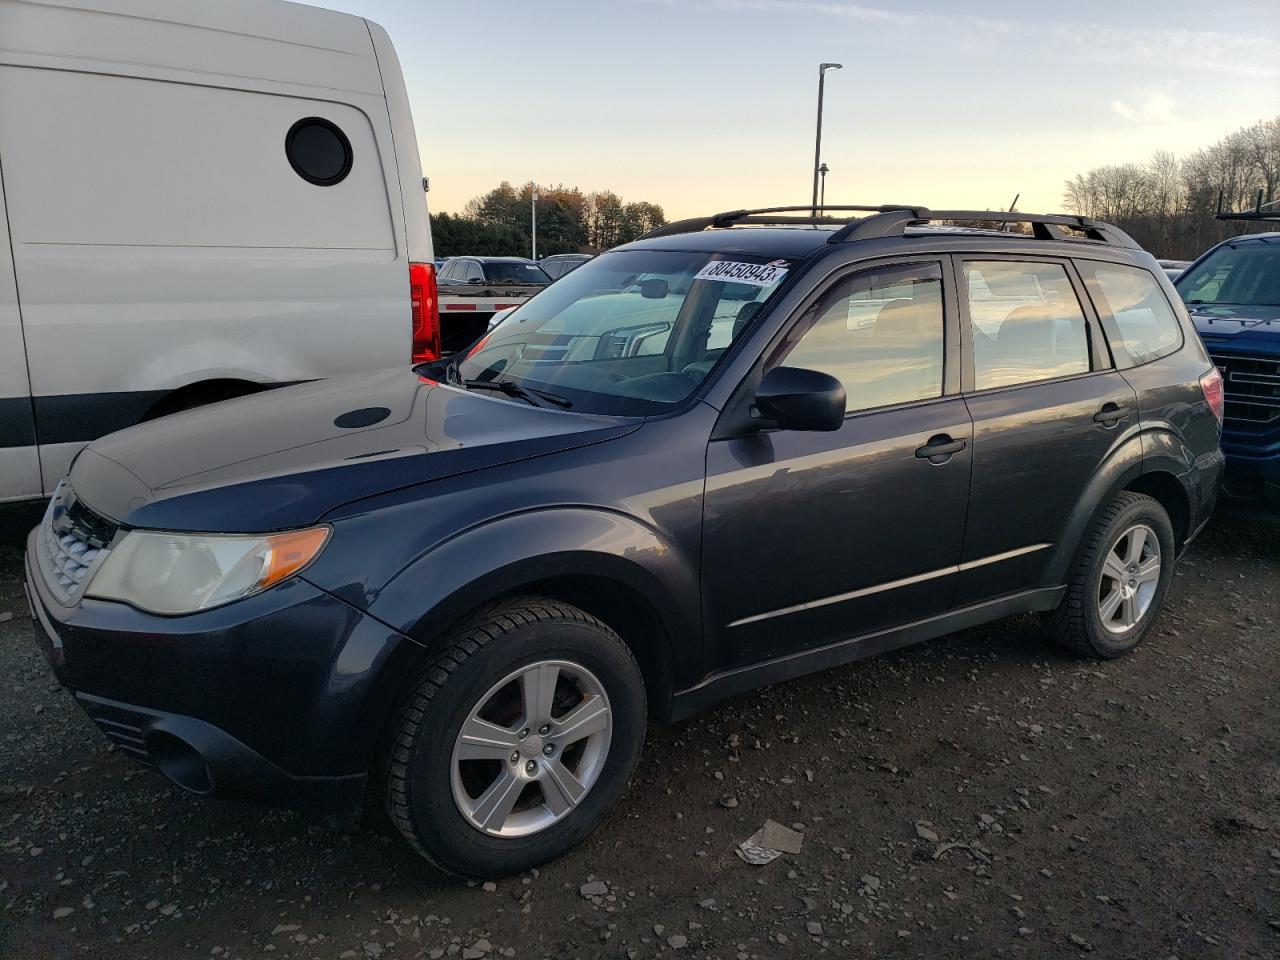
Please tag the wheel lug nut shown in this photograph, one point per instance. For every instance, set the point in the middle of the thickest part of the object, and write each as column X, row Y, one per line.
column 531, row 768
column 544, row 729
column 523, row 734
column 515, row 757
column 549, row 749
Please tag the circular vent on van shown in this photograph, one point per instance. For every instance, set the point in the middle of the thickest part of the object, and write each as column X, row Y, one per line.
column 318, row 151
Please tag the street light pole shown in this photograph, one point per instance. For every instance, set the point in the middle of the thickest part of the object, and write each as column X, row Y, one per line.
column 533, row 218
column 817, row 145
column 822, row 192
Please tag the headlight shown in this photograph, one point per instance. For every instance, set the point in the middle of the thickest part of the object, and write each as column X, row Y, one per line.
column 181, row 573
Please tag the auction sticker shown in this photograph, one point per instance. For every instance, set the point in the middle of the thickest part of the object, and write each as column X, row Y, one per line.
column 753, row 274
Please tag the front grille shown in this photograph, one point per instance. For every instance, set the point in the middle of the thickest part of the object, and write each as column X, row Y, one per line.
column 1252, row 390
column 72, row 541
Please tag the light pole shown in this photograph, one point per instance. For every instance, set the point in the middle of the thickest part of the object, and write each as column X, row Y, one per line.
column 533, row 218
column 817, row 146
column 822, row 191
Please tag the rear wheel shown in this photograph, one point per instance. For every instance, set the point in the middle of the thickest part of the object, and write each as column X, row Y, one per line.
column 1120, row 579
column 517, row 741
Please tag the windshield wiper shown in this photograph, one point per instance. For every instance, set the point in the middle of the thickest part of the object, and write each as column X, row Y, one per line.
column 535, row 398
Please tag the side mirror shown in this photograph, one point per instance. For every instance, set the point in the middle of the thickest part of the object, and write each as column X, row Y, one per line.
column 797, row 399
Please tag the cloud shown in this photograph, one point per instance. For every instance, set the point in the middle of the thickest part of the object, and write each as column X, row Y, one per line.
column 1075, row 42
column 1155, row 110
column 860, row 13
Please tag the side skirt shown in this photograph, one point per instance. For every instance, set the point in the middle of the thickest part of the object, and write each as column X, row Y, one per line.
column 686, row 703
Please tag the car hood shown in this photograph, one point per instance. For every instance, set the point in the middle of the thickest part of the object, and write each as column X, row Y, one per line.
column 1243, row 325
column 285, row 458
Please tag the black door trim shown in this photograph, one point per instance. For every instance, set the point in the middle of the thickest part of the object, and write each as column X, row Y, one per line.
column 716, row 687
column 890, row 585
column 17, row 422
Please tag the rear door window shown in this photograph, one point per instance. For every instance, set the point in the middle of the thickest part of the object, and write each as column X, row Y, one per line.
column 1027, row 323
column 1139, row 320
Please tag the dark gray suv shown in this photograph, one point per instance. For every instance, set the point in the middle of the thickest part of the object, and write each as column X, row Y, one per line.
column 741, row 449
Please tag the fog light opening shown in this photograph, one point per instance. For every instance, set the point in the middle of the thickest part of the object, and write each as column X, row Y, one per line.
column 180, row 762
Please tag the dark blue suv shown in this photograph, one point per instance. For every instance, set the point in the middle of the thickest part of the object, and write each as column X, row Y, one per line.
column 741, row 449
column 1233, row 293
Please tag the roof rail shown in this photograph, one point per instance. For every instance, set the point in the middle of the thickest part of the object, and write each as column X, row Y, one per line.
column 1044, row 226
column 1257, row 213
column 893, row 219
column 814, row 216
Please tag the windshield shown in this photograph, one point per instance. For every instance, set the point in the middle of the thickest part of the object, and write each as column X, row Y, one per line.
column 514, row 271
column 1244, row 275
column 629, row 333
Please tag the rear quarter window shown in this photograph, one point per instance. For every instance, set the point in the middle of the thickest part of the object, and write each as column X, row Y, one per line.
column 1137, row 316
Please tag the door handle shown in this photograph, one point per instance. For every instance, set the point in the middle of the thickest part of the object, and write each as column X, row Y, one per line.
column 1110, row 414
column 939, row 448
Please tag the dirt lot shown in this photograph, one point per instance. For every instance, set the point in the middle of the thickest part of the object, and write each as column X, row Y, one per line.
column 980, row 796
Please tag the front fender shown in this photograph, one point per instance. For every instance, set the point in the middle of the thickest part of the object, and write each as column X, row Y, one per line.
column 503, row 555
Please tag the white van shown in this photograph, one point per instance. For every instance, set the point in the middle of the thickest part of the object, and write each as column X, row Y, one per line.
column 197, row 200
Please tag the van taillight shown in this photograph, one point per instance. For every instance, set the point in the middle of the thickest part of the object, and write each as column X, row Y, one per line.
column 1211, row 384
column 425, row 312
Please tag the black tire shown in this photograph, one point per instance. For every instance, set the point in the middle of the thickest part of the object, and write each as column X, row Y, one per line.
column 1077, row 623
column 418, row 791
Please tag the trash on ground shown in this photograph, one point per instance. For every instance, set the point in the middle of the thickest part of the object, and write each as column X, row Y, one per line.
column 768, row 843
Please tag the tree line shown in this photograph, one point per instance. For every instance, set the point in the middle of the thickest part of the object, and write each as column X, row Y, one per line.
column 1168, row 203
column 497, row 223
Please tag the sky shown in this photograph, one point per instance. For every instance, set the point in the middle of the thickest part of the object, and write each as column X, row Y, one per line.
column 708, row 105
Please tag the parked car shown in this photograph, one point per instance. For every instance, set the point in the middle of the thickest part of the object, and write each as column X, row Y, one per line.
column 558, row 264
column 492, row 271
column 709, row 460
column 201, row 200
column 1173, row 268
column 476, row 289
column 1233, row 293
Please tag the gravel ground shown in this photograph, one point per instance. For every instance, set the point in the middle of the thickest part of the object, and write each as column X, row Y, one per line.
column 982, row 795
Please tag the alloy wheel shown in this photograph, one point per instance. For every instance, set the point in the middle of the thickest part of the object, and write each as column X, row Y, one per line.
column 531, row 748
column 1130, row 578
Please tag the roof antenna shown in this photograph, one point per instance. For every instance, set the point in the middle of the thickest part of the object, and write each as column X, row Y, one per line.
column 1013, row 208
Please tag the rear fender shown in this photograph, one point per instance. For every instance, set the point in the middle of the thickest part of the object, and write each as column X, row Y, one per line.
column 1122, row 467
column 1198, row 478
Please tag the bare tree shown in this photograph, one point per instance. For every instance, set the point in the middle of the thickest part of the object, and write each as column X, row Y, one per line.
column 1168, row 203
column 1263, row 142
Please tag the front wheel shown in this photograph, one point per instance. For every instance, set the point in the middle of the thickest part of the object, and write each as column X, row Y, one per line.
column 517, row 740
column 1120, row 579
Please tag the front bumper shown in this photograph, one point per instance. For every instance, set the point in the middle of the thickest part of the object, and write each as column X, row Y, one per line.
column 279, row 697
column 207, row 761
column 1249, row 464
